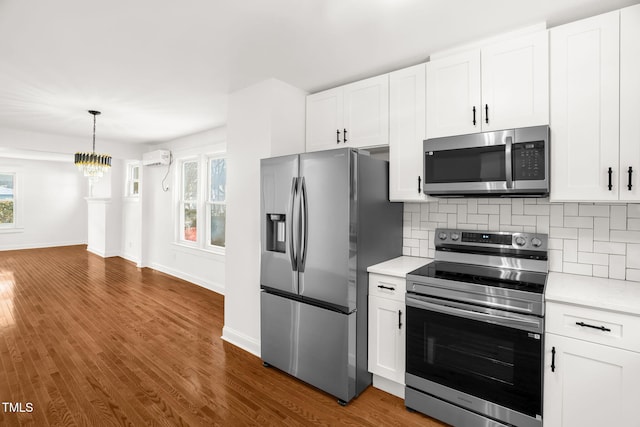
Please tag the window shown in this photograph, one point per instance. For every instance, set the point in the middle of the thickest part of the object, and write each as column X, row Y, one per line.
column 217, row 208
column 189, row 202
column 202, row 208
column 133, row 180
column 7, row 200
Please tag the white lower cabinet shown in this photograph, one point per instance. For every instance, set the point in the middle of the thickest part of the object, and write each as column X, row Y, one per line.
column 387, row 332
column 588, row 383
column 386, row 345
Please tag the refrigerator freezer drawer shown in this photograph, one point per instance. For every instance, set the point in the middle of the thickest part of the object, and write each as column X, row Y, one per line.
column 311, row 343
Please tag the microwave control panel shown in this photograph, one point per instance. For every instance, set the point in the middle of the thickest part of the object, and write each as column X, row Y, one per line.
column 528, row 161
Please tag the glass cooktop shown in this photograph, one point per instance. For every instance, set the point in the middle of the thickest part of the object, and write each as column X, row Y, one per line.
column 528, row 281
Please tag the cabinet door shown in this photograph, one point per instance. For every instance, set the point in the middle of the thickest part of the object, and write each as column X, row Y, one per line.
column 324, row 120
column 584, row 121
column 592, row 385
column 366, row 112
column 453, row 92
column 406, row 133
column 515, row 83
column 630, row 103
column 387, row 338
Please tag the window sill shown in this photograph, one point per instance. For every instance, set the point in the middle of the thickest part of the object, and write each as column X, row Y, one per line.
column 197, row 250
column 8, row 230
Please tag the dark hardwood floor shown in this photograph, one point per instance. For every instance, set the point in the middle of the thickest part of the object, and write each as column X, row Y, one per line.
column 98, row 342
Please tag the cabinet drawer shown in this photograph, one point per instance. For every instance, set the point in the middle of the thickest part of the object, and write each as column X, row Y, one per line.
column 598, row 326
column 387, row 286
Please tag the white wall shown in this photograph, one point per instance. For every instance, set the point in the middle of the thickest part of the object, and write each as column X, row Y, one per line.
column 54, row 211
column 154, row 215
column 54, row 157
column 131, row 230
column 264, row 120
column 584, row 238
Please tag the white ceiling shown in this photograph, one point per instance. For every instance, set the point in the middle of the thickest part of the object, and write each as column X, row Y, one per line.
column 159, row 69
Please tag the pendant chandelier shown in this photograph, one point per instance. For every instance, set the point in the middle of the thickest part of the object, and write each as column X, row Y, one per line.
column 93, row 165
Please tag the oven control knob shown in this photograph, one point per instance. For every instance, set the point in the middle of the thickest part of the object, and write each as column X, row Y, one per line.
column 520, row 241
column 442, row 236
column 455, row 236
column 536, row 242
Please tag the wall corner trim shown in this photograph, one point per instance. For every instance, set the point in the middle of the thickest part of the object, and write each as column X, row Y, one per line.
column 241, row 340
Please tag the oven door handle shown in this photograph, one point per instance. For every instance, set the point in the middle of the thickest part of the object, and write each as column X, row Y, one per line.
column 512, row 321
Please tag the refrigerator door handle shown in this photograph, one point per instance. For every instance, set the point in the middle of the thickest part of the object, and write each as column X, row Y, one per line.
column 292, row 200
column 304, row 216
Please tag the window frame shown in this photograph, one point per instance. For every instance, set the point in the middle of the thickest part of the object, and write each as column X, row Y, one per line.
column 182, row 201
column 203, row 203
column 209, row 204
column 16, row 225
column 129, row 190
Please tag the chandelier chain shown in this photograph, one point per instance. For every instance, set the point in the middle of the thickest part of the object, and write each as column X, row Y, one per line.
column 94, row 133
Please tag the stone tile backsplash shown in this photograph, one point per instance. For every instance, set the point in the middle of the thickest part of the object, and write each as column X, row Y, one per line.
column 600, row 240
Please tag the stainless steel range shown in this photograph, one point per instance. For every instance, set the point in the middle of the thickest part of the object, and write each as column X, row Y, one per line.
column 475, row 323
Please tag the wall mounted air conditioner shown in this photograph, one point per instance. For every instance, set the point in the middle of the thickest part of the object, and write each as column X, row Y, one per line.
column 157, row 157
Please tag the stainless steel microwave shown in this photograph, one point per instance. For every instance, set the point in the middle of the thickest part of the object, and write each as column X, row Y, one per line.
column 505, row 163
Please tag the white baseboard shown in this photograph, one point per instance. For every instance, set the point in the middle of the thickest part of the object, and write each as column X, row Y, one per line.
column 107, row 254
column 241, row 340
column 39, row 245
column 131, row 258
column 215, row 287
column 389, row 386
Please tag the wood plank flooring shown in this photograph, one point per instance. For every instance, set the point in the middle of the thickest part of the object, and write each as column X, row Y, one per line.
column 98, row 342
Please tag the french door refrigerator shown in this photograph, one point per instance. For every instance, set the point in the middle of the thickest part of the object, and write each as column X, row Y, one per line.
column 325, row 217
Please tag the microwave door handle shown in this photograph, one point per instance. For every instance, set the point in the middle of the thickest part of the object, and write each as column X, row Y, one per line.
column 508, row 161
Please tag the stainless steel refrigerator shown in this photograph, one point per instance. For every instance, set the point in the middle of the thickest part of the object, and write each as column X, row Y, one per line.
column 325, row 218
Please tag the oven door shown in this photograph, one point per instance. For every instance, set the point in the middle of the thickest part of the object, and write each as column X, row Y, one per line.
column 469, row 164
column 488, row 361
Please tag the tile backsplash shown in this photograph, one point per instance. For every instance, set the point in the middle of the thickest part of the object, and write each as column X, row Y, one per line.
column 600, row 240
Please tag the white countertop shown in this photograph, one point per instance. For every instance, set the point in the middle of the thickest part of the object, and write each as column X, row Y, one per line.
column 398, row 267
column 607, row 294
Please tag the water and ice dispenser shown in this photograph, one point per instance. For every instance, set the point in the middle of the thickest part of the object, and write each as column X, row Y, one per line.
column 276, row 232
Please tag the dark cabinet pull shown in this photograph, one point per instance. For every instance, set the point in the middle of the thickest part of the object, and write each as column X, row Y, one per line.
column 345, row 135
column 474, row 115
column 486, row 113
column 399, row 319
column 610, row 172
column 419, row 182
column 338, row 136
column 630, row 171
column 553, row 359
column 386, row 287
column 600, row 328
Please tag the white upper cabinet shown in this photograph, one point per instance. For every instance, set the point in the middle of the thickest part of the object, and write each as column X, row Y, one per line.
column 355, row 115
column 629, row 104
column 324, row 119
column 502, row 85
column 406, row 133
column 453, row 95
column 584, row 122
column 366, row 112
column 515, row 82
